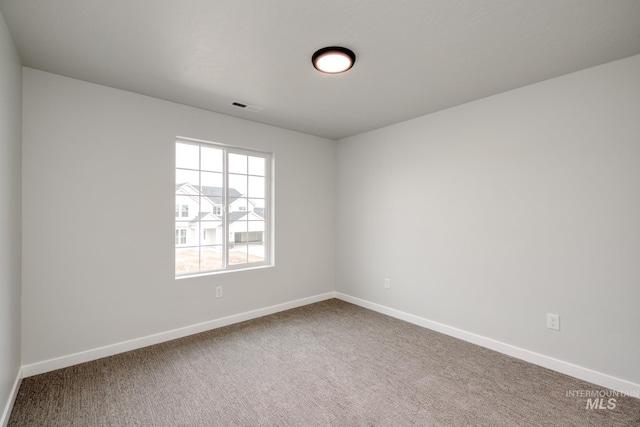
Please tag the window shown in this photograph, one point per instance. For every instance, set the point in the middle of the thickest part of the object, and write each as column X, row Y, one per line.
column 182, row 211
column 215, row 230
column 181, row 236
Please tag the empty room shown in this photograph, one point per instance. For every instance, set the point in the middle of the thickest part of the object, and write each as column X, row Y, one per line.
column 387, row 213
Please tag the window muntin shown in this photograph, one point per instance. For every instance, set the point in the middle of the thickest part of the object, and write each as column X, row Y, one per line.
column 226, row 220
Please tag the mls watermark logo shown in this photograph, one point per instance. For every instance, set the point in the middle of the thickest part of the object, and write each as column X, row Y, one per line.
column 601, row 399
column 601, row 403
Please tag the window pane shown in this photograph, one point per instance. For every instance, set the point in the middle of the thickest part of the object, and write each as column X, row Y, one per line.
column 239, row 207
column 239, row 227
column 256, row 187
column 187, row 260
column 257, row 203
column 255, row 227
column 211, row 258
column 238, row 183
column 187, row 182
column 187, row 156
column 211, row 233
column 182, row 224
column 213, row 205
column 186, row 207
column 259, row 212
column 256, row 166
column 239, row 254
column 211, row 159
column 256, row 252
column 237, row 163
column 255, row 238
column 237, row 230
column 211, row 184
column 243, row 253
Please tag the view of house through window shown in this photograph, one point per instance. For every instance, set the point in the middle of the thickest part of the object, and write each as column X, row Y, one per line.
column 222, row 208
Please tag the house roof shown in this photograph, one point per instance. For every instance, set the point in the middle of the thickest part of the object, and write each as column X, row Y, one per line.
column 213, row 194
column 236, row 216
column 203, row 215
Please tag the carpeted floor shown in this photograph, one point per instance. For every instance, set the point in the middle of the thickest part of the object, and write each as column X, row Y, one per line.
column 326, row 364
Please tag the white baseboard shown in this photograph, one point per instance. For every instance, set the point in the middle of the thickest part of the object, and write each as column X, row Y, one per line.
column 563, row 367
column 110, row 350
column 6, row 413
column 557, row 365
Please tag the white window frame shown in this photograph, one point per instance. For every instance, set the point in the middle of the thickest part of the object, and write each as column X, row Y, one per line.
column 268, row 239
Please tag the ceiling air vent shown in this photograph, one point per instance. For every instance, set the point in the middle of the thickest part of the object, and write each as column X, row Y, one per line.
column 252, row 108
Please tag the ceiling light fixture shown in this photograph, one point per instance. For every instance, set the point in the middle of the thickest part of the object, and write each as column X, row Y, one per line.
column 333, row 59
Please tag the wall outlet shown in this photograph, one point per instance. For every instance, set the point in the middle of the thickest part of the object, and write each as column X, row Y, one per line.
column 553, row 321
column 387, row 283
column 218, row 291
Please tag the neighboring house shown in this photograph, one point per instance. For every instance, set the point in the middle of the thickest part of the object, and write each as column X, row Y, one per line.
column 246, row 227
column 200, row 220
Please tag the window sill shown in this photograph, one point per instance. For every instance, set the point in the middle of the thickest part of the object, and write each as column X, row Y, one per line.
column 217, row 272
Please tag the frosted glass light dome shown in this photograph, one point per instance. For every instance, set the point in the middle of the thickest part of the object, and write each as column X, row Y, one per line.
column 333, row 59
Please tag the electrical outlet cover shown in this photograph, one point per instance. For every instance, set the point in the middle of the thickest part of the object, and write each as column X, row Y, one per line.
column 553, row 321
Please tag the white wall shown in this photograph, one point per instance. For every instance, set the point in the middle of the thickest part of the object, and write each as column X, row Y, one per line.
column 485, row 216
column 10, row 208
column 489, row 215
column 98, row 217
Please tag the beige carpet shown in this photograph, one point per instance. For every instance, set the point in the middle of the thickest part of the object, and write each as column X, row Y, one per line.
column 326, row 364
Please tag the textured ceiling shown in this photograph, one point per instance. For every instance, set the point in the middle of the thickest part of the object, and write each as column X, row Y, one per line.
column 413, row 56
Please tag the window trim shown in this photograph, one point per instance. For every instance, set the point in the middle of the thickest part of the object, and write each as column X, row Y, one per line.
column 268, row 233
